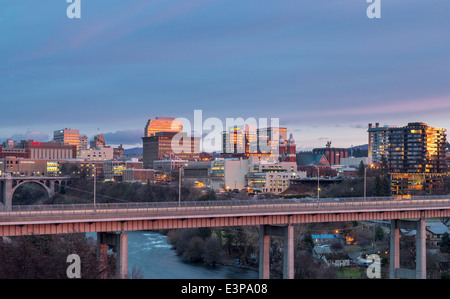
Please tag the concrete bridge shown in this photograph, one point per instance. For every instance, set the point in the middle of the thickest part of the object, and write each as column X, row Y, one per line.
column 274, row 217
column 9, row 184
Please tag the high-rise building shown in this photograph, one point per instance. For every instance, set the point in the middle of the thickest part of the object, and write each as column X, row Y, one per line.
column 269, row 144
column 162, row 124
column 378, row 142
column 162, row 144
column 240, row 140
column 67, row 136
column 416, row 158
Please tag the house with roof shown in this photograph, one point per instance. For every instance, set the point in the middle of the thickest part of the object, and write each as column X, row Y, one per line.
column 327, row 238
column 336, row 259
column 434, row 232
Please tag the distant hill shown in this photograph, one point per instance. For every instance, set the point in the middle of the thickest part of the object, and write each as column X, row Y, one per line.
column 135, row 151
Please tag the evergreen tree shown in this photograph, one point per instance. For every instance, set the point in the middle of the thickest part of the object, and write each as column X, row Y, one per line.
column 308, row 242
column 379, row 190
column 361, row 169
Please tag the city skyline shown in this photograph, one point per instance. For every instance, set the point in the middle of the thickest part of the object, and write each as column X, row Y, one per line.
column 323, row 68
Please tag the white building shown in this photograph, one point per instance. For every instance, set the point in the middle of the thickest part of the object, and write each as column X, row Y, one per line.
column 253, row 175
column 229, row 174
column 272, row 177
column 103, row 153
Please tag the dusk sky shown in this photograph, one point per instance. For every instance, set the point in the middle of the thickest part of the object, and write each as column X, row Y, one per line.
column 321, row 66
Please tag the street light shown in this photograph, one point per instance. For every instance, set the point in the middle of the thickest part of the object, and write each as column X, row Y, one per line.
column 318, row 183
column 95, row 183
column 179, row 184
column 365, row 179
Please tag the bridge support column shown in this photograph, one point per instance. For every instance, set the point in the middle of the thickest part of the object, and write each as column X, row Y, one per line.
column 394, row 264
column 7, row 193
column 287, row 232
column 119, row 243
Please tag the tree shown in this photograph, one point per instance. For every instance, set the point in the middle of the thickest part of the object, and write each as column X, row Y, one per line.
column 445, row 243
column 308, row 242
column 379, row 190
column 213, row 253
column 361, row 169
column 379, row 234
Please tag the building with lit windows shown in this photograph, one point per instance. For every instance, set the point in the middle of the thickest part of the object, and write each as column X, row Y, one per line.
column 163, row 144
column 67, row 136
column 378, row 142
column 253, row 175
column 416, row 158
column 269, row 144
column 103, row 153
column 162, row 124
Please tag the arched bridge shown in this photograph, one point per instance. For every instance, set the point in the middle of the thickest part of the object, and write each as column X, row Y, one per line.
column 9, row 184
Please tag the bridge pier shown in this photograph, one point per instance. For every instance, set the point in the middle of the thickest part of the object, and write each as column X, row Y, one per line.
column 7, row 193
column 119, row 243
column 394, row 264
column 287, row 232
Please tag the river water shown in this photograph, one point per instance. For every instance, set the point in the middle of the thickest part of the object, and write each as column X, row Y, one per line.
column 152, row 254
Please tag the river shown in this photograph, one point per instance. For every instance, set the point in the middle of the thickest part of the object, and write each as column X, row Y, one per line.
column 152, row 254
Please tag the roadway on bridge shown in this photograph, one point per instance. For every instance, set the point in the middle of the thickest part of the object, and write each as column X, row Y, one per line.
column 41, row 214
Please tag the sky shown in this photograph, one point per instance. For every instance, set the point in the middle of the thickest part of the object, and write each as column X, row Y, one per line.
column 322, row 67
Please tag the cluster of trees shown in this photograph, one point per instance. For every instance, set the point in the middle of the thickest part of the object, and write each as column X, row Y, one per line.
column 81, row 191
column 216, row 246
column 45, row 257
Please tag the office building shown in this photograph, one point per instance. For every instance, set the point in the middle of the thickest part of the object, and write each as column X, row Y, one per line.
column 102, row 153
column 269, row 144
column 138, row 175
column 83, row 142
column 162, row 124
column 162, row 144
column 50, row 150
column 67, row 136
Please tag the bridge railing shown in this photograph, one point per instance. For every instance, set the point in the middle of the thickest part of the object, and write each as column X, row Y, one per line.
column 232, row 206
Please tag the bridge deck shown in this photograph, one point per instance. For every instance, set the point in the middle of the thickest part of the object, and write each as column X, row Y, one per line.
column 84, row 218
